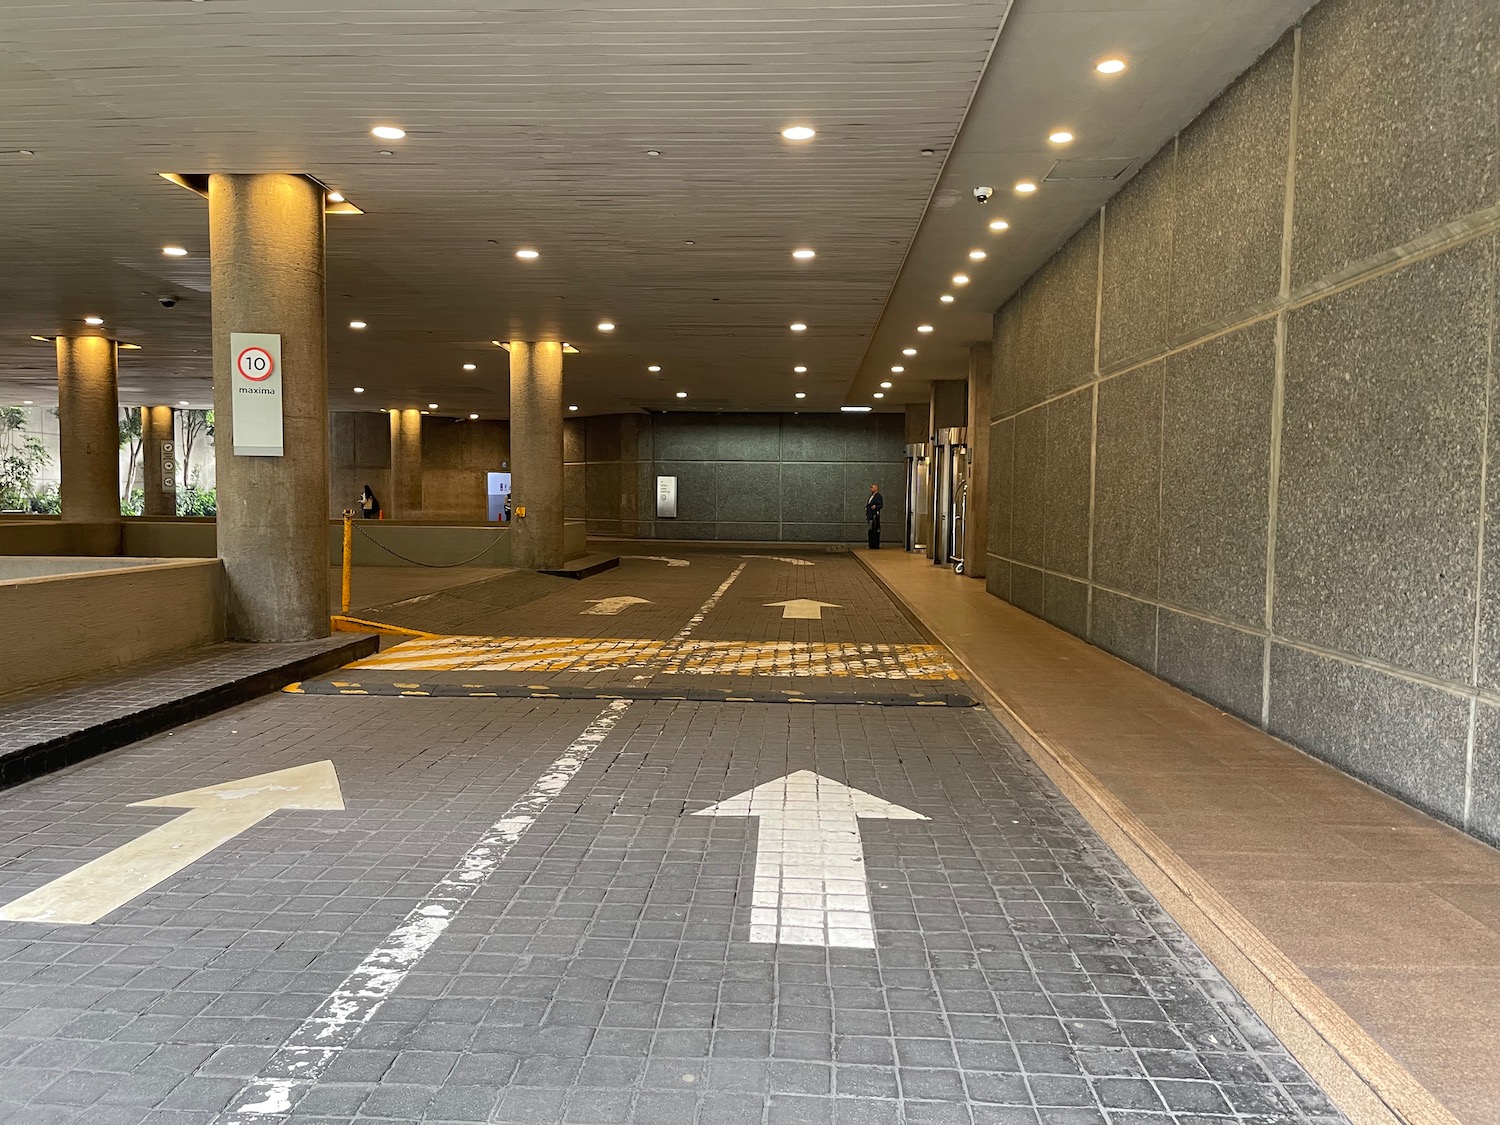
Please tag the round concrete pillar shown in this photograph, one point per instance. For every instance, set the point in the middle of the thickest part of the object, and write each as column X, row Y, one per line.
column 536, row 455
column 266, row 242
column 159, row 465
column 406, row 465
column 88, row 415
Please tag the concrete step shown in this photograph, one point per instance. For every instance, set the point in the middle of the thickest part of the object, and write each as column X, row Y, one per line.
column 585, row 565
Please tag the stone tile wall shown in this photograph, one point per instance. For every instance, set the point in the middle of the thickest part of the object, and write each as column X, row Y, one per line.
column 1241, row 422
column 769, row 477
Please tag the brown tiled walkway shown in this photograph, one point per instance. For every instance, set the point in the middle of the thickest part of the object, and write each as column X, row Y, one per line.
column 1367, row 934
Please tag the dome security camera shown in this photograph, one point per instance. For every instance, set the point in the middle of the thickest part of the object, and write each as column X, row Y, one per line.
column 982, row 194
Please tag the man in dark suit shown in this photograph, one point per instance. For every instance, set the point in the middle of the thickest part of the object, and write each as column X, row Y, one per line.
column 872, row 515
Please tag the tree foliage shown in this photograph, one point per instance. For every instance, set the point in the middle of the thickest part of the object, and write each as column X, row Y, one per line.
column 22, row 456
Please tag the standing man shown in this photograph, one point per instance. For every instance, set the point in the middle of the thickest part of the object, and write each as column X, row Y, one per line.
column 872, row 515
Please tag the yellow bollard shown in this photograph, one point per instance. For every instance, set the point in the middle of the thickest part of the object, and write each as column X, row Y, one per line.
column 348, row 556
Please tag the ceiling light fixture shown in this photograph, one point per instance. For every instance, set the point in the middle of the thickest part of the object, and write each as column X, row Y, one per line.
column 682, row 394
column 800, row 394
column 359, row 390
column 924, row 328
column 606, row 326
column 897, row 369
column 960, row 279
column 885, row 386
column 1110, row 66
column 799, row 133
column 799, row 327
column 388, row 132
column 471, row 367
column 358, row 324
column 1026, row 187
column 804, row 254
column 95, row 321
column 856, row 409
column 999, row 224
column 528, row 255
column 800, row 370
column 653, row 152
column 946, row 298
column 977, row 255
column 572, row 408
column 908, row 351
column 182, row 402
column 929, row 152
column 1061, row 137
column 473, row 417
column 654, row 367
column 174, row 251
column 335, row 197
column 432, row 406
column 878, row 394
column 26, row 402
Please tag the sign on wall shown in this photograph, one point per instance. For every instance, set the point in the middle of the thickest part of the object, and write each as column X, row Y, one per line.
column 169, row 466
column 256, row 378
column 666, row 498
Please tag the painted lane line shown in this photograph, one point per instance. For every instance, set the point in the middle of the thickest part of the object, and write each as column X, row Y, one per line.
column 781, row 559
column 218, row 814
column 802, row 609
column 663, row 558
column 707, row 607
column 305, row 1055
column 611, row 607
column 810, row 883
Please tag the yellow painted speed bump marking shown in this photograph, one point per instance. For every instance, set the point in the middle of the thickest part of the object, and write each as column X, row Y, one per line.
column 294, row 689
column 342, row 623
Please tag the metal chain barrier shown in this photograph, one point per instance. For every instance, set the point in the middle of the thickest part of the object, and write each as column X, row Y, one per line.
column 417, row 562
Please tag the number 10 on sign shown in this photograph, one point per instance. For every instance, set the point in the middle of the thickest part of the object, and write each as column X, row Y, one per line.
column 255, row 376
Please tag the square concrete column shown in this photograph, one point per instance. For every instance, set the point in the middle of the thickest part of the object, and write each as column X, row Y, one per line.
column 536, row 455
column 977, row 509
column 159, row 461
column 88, row 415
column 266, row 242
column 406, row 465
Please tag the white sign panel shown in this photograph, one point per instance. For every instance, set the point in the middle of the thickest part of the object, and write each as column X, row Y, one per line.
column 666, row 498
column 255, row 375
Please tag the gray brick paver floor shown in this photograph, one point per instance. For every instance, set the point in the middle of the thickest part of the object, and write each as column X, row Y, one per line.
column 604, row 974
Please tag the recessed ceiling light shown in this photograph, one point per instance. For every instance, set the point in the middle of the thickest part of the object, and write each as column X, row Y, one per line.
column 924, row 328
column 804, row 254
column 471, row 367
column 432, row 406
column 799, row 369
column 93, row 320
column 26, row 402
column 653, row 152
column 960, row 279
column 856, row 409
column 878, row 394
column 654, row 367
column 358, row 324
column 947, row 299
column 174, row 251
column 897, row 369
column 1110, row 66
column 1026, row 187
column 182, row 402
column 908, row 351
column 335, row 197
column 885, row 386
column 799, row 133
column 999, row 224
column 1061, row 137
column 799, row 327
column 388, row 132
column 473, row 417
column 359, row 390
column 572, row 408
column 425, row 412
column 528, row 255
column 606, row 326
column 682, row 394
column 929, row 152
column 977, row 255
column 800, row 394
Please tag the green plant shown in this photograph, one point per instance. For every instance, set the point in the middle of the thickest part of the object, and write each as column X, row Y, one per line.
column 22, row 456
column 195, row 501
column 46, row 501
column 195, row 424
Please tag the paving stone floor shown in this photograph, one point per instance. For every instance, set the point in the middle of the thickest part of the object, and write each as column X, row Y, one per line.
column 596, row 965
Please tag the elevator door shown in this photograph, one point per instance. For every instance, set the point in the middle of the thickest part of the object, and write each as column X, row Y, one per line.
column 917, row 520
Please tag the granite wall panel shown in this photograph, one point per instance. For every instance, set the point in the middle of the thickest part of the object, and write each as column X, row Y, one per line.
column 1061, row 307
column 1222, row 665
column 1230, row 197
column 1127, row 483
column 686, row 437
column 750, row 437
column 1398, row 125
column 600, row 485
column 997, row 577
column 1026, row 589
column 1216, row 466
column 1378, row 521
column 1404, row 737
column 1005, row 341
column 805, row 497
column 1029, row 505
column 1136, row 288
column 748, row 492
column 1065, row 603
column 1484, row 806
column 1125, row 627
column 1002, row 467
column 1070, row 423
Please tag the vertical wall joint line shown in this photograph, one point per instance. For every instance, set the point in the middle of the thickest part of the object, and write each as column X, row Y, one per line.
column 1483, row 525
column 1088, row 611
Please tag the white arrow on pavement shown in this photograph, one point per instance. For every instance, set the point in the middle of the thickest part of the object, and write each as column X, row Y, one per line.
column 610, row 607
column 810, row 886
column 781, row 558
column 803, row 609
column 219, row 813
column 669, row 562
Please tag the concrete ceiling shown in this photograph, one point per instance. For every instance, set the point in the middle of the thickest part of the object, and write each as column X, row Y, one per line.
column 530, row 125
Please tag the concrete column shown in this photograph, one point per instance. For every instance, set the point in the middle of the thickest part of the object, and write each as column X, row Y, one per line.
column 977, row 527
column 158, row 451
column 536, row 454
column 88, row 414
column 266, row 243
column 406, row 466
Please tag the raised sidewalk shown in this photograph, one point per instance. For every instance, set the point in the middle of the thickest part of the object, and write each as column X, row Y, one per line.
column 1364, row 932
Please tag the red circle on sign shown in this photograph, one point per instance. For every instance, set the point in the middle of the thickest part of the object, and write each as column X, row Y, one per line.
column 255, row 364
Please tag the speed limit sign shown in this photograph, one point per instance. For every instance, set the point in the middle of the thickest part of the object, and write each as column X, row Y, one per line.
column 256, row 402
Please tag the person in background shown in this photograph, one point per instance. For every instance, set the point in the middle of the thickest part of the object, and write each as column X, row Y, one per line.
column 369, row 505
column 872, row 515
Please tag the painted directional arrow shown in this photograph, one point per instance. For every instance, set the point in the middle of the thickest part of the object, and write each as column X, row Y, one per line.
column 781, row 558
column 809, row 847
column 610, row 607
column 219, row 813
column 669, row 562
column 803, row 609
